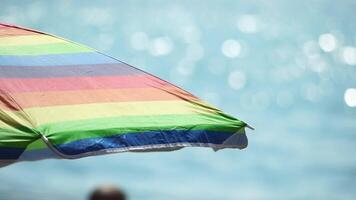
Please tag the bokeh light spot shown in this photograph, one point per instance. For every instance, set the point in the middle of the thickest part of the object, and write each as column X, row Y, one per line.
column 248, row 24
column 231, row 48
column 161, row 46
column 327, row 42
column 317, row 63
column 349, row 55
column 237, row 80
column 350, row 97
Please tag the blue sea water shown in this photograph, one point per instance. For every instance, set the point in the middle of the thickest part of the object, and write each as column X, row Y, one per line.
column 288, row 68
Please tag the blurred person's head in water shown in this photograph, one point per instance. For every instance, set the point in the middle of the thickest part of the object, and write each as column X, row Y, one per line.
column 107, row 192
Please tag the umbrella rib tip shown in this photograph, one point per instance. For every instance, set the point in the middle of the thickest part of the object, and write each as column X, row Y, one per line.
column 250, row 127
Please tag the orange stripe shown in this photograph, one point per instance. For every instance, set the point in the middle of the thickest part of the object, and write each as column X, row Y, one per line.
column 18, row 85
column 42, row 99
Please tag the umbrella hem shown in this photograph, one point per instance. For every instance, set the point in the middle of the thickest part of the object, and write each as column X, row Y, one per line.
column 148, row 148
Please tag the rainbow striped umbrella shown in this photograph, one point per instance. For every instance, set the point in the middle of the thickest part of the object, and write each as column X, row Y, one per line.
column 60, row 99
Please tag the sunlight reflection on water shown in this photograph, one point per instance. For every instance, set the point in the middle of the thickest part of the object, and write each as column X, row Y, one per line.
column 286, row 68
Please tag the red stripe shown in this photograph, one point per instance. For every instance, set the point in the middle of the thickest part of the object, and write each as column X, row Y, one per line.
column 14, row 85
column 20, row 101
column 9, row 31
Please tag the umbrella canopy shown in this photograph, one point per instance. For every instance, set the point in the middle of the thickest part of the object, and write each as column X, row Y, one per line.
column 65, row 100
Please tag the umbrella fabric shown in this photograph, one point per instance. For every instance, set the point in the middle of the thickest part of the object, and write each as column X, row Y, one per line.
column 62, row 99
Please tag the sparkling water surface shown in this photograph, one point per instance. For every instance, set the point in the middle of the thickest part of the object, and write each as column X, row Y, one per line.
column 288, row 68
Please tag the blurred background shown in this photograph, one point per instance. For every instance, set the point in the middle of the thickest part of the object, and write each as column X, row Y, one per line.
column 288, row 68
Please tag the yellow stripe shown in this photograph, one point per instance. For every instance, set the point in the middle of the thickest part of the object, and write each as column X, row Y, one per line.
column 13, row 120
column 29, row 40
column 54, row 114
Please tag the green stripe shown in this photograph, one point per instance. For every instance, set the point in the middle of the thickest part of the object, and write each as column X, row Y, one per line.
column 65, row 132
column 13, row 133
column 16, row 138
column 44, row 49
column 37, row 145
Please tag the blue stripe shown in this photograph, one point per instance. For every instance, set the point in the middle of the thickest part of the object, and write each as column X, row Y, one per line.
column 8, row 153
column 116, row 69
column 56, row 60
column 148, row 138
